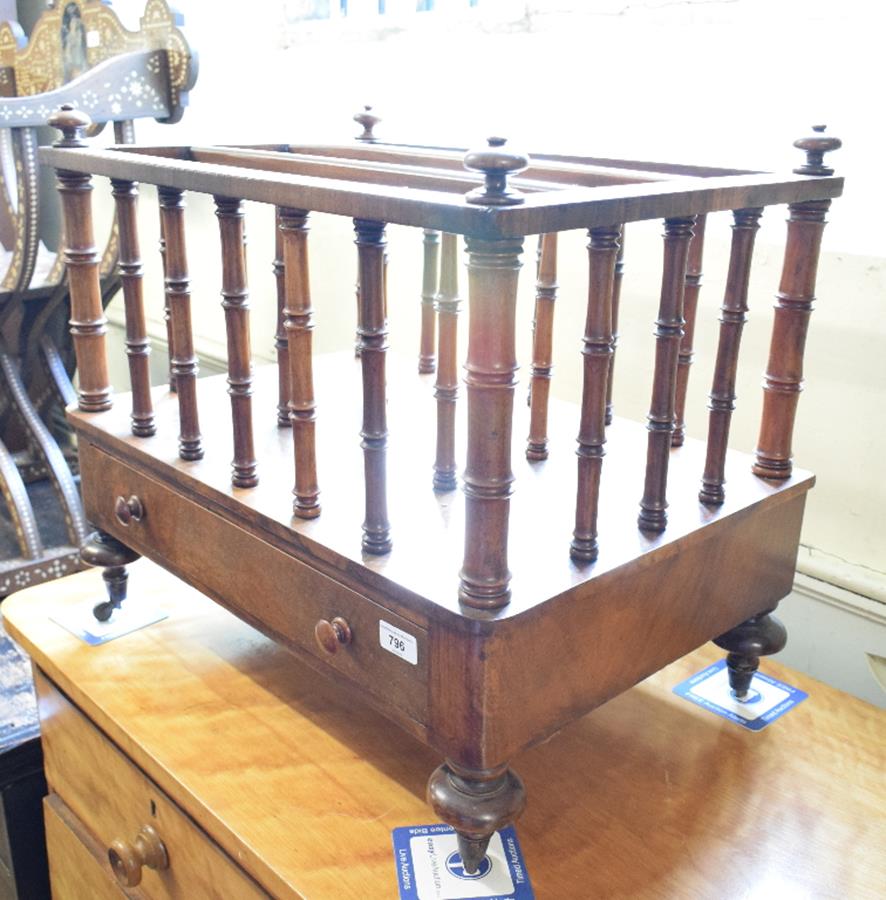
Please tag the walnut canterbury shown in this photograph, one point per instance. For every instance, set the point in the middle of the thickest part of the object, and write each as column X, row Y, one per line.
column 508, row 614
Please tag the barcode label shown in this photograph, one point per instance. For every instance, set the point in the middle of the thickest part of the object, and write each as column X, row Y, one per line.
column 398, row 642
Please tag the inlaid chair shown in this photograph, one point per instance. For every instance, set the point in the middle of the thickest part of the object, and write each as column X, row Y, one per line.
column 78, row 52
column 481, row 620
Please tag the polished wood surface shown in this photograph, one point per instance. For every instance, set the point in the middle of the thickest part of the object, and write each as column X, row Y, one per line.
column 733, row 315
column 116, row 802
column 490, row 380
column 235, row 302
column 281, row 341
column 183, row 364
column 430, row 279
column 648, row 797
column 372, row 332
column 138, row 347
column 422, row 518
column 542, row 346
column 298, row 323
column 691, row 290
column 81, row 258
column 446, row 386
column 507, row 661
column 783, row 381
column 75, row 857
column 668, row 338
column 558, row 209
column 597, row 351
column 616, row 302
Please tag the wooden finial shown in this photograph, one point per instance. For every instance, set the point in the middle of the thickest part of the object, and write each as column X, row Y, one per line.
column 816, row 145
column 71, row 123
column 368, row 120
column 496, row 164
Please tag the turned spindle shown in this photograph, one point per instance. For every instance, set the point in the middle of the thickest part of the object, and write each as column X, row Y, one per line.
column 372, row 331
column 235, row 302
column 183, row 361
column 597, row 353
column 138, row 348
column 446, row 386
column 759, row 636
column 690, row 305
column 299, row 324
column 616, row 302
column 82, row 260
column 783, row 381
column 733, row 315
column 281, row 342
column 367, row 120
column 542, row 347
column 167, row 313
column 493, row 267
column 669, row 331
column 431, row 266
column 476, row 803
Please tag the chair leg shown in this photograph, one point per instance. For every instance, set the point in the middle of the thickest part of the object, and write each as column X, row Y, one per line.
column 101, row 549
column 759, row 636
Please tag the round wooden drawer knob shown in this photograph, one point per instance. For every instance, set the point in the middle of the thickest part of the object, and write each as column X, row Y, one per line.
column 127, row 859
column 332, row 635
column 128, row 510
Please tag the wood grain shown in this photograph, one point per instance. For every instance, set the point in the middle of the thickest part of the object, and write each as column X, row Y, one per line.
column 235, row 302
column 138, row 347
column 564, row 208
column 409, row 576
column 298, row 323
column 88, row 322
column 649, row 796
column 183, row 361
column 113, row 800
column 542, row 346
column 75, row 871
column 430, row 279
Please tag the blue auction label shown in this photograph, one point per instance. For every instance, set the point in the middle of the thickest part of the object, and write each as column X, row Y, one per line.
column 767, row 699
column 429, row 866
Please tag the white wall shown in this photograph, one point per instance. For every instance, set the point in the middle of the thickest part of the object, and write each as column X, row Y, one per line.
column 731, row 83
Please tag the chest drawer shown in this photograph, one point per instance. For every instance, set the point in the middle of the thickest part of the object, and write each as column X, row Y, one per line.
column 77, row 868
column 115, row 801
column 277, row 593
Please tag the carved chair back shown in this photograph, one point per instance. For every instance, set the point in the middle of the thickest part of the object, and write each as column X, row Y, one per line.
column 78, row 52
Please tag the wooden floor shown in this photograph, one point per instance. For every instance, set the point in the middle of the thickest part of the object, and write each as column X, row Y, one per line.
column 649, row 796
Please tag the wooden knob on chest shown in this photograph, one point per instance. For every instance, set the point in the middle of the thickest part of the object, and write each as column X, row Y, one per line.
column 496, row 163
column 128, row 858
column 128, row 510
column 332, row 635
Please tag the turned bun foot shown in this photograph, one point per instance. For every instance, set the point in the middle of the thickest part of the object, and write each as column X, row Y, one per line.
column 101, row 549
column 760, row 636
column 476, row 804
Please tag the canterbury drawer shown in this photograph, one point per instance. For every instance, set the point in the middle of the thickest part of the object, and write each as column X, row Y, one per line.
column 377, row 649
column 153, row 843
